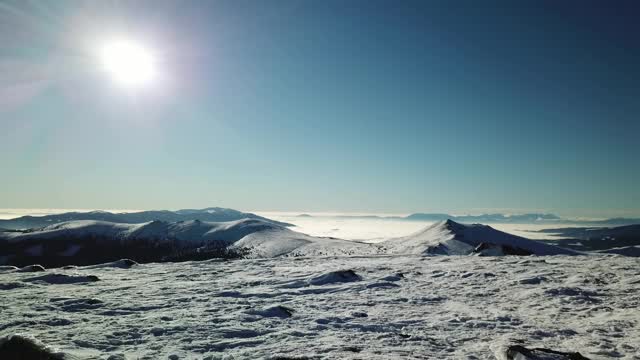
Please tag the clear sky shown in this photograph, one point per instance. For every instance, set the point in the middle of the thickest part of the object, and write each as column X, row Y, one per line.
column 361, row 105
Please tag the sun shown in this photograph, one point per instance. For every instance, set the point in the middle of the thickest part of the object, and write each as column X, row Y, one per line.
column 129, row 64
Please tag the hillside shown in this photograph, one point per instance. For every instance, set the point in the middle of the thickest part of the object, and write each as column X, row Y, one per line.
column 624, row 240
column 84, row 242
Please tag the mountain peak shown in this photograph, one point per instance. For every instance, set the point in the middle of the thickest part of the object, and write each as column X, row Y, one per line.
column 452, row 238
column 452, row 224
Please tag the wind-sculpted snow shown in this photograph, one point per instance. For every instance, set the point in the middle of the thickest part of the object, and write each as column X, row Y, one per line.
column 519, row 352
column 31, row 268
column 62, row 279
column 122, row 264
column 439, row 307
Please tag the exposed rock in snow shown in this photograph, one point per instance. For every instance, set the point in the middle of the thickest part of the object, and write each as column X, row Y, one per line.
column 77, row 305
column 340, row 276
column 570, row 291
column 518, row 352
column 383, row 284
column 396, row 277
column 12, row 285
column 359, row 314
column 31, row 268
column 275, row 311
column 489, row 249
column 120, row 264
column 63, row 279
column 533, row 280
column 117, row 357
column 20, row 347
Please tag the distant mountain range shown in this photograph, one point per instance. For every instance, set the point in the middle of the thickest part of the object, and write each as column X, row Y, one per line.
column 218, row 214
column 532, row 218
column 215, row 214
column 493, row 218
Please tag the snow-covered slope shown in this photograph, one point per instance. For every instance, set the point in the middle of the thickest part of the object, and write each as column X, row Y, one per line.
column 273, row 243
column 622, row 239
column 89, row 241
column 451, row 238
column 187, row 231
column 86, row 242
column 633, row 251
column 215, row 214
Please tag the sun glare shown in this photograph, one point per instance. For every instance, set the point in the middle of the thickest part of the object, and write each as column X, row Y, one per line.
column 129, row 64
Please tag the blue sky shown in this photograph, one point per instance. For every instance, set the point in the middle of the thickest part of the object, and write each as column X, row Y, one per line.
column 364, row 106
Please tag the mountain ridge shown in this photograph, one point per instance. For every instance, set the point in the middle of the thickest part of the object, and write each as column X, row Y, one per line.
column 215, row 214
column 452, row 238
column 497, row 218
column 86, row 242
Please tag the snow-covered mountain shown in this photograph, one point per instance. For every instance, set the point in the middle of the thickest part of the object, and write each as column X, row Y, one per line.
column 83, row 242
column 216, row 214
column 623, row 240
column 452, row 238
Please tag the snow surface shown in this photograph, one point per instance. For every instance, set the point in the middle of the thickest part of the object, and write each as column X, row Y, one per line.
column 366, row 307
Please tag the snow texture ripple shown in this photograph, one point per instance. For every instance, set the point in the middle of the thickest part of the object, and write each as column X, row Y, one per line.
column 366, row 307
